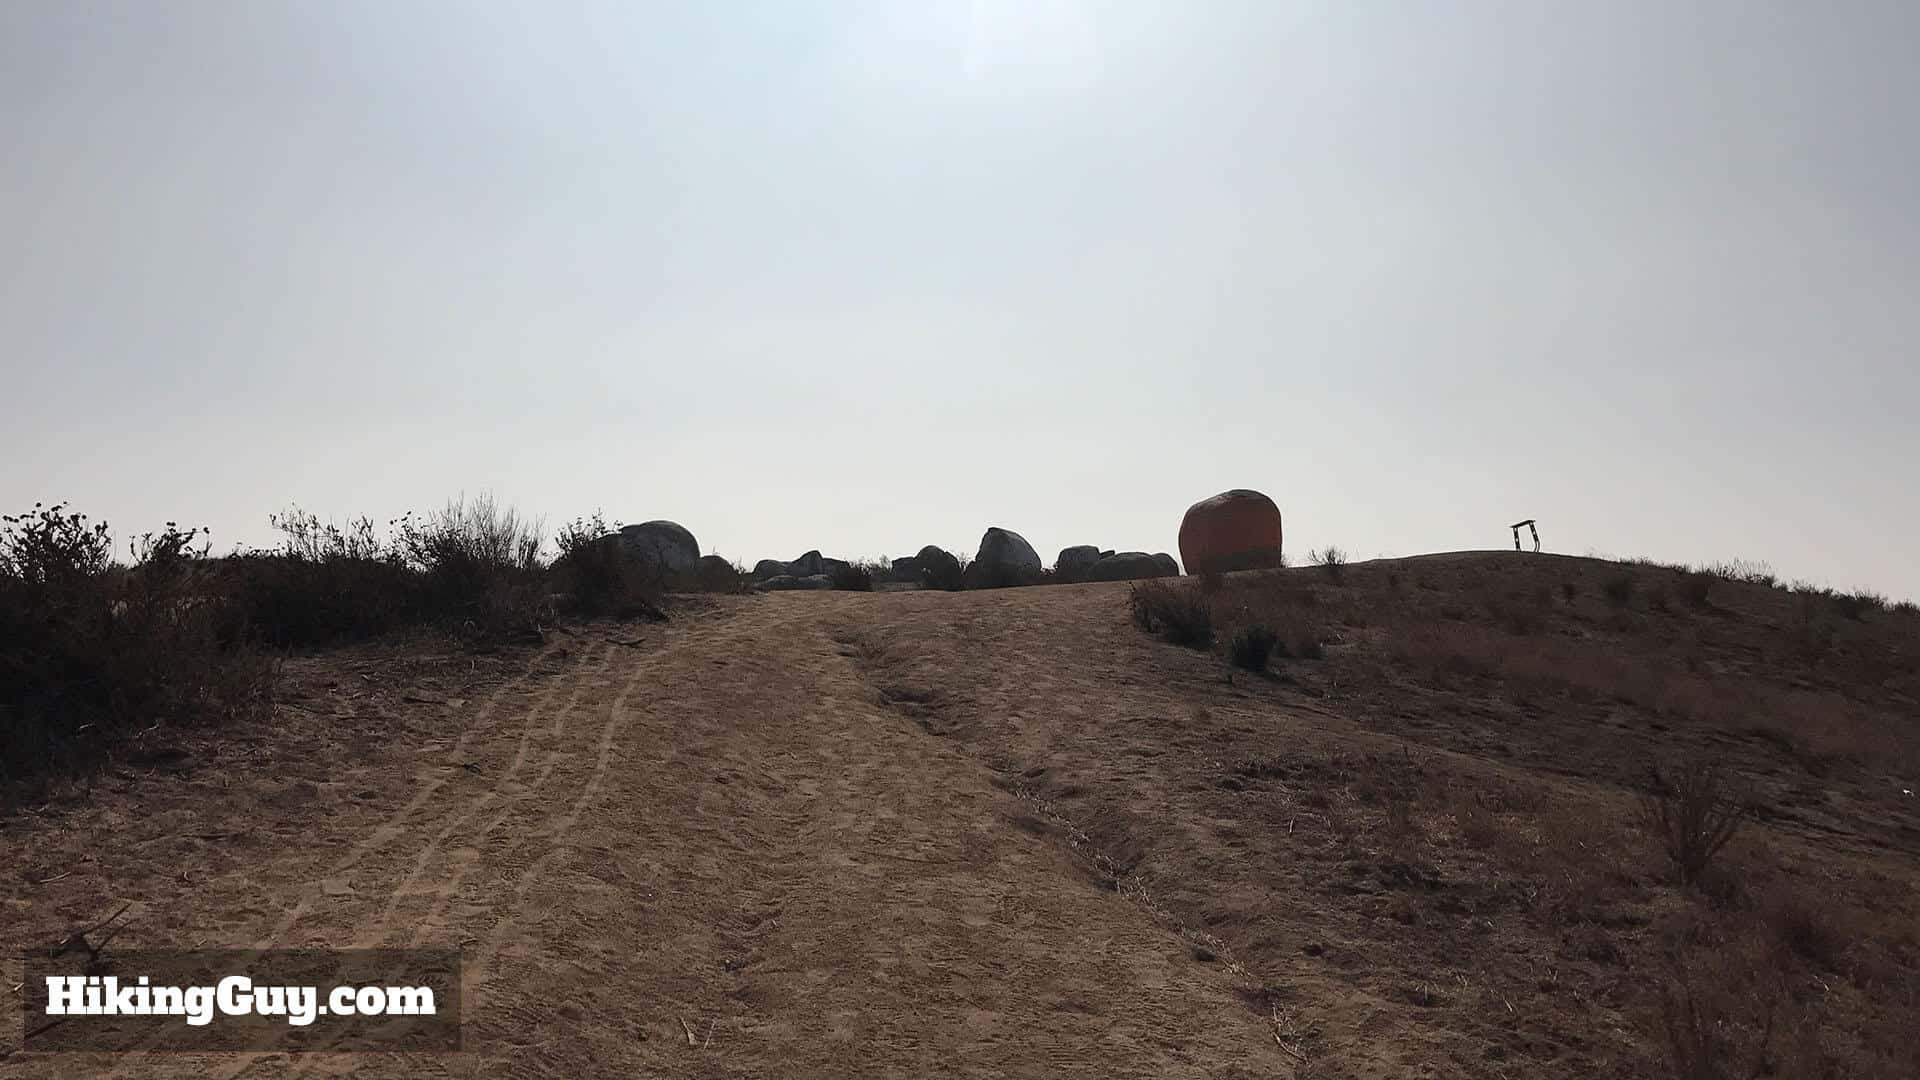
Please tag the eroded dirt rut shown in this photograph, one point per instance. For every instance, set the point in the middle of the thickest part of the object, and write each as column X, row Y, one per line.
column 720, row 852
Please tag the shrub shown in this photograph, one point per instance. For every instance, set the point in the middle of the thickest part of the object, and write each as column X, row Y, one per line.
column 1693, row 813
column 598, row 577
column 1697, row 588
column 323, row 584
column 1618, row 590
column 1855, row 605
column 1252, row 647
column 477, row 560
column 1752, row 573
column 1810, row 929
column 89, row 650
column 1331, row 559
column 1180, row 615
column 1717, row 1028
column 852, row 577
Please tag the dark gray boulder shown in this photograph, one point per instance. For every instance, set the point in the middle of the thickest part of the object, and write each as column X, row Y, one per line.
column 1168, row 561
column 664, row 544
column 907, row 568
column 1004, row 559
column 1006, row 548
column 938, row 568
column 1074, row 562
column 1130, row 566
column 767, row 568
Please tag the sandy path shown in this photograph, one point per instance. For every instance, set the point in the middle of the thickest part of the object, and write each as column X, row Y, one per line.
column 724, row 830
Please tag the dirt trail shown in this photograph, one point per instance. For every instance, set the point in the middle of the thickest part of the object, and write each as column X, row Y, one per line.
column 725, row 830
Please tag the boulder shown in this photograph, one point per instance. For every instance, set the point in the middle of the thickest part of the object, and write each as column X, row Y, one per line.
column 807, row 565
column 714, row 573
column 664, row 544
column 1167, row 561
column 785, row 582
column 1131, row 566
column 1234, row 530
column 1005, row 558
column 938, row 568
column 767, row 568
column 907, row 568
column 1074, row 562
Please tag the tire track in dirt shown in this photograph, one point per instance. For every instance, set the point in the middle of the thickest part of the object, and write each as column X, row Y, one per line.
column 396, row 828
column 442, row 893
column 748, row 864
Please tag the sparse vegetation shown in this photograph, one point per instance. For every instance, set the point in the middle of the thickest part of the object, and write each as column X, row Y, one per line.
column 1331, row 560
column 90, row 649
column 853, row 577
column 1253, row 647
column 1693, row 812
column 1180, row 614
column 1618, row 590
column 1741, row 570
column 1697, row 588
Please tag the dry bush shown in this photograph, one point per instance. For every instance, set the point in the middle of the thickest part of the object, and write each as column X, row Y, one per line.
column 1742, row 570
column 1180, row 615
column 1855, row 605
column 1252, row 647
column 853, row 577
column 1618, row 590
column 1694, row 813
column 598, row 577
column 1697, row 588
column 1330, row 559
column 322, row 584
column 1713, row 1028
column 1817, row 931
column 89, row 650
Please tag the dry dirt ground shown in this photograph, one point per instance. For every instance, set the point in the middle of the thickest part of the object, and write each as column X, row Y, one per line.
column 998, row 834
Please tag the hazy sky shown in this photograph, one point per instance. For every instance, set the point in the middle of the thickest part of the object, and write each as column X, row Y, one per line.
column 865, row 276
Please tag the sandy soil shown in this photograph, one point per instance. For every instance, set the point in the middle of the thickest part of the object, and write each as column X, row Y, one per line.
column 1008, row 834
column 718, row 828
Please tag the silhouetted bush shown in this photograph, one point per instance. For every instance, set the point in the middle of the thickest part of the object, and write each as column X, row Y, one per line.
column 1252, row 647
column 1180, row 615
column 1697, row 588
column 1330, row 559
column 1618, row 590
column 321, row 585
column 90, row 650
column 596, row 575
column 852, row 577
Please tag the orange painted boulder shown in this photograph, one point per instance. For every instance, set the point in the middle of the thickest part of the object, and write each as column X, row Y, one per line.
column 1234, row 530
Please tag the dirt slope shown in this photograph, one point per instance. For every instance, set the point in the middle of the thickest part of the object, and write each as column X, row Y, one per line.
column 720, row 828
column 1007, row 833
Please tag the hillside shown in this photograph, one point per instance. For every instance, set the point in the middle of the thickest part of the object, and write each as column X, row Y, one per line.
column 1010, row 833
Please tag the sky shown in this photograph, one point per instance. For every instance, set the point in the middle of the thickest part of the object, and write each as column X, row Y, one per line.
column 863, row 276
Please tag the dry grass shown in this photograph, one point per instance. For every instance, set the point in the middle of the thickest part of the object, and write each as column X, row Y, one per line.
column 1179, row 613
column 1553, row 686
